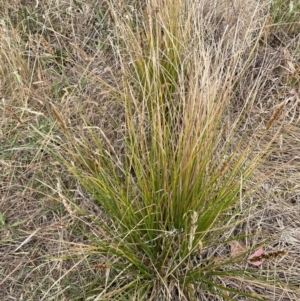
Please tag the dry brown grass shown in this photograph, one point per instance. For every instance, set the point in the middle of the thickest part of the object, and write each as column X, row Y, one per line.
column 54, row 56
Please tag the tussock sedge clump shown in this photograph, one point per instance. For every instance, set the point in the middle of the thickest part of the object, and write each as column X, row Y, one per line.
column 179, row 183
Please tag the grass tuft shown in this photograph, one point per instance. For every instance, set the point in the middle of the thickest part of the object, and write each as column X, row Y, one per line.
column 163, row 164
column 173, row 192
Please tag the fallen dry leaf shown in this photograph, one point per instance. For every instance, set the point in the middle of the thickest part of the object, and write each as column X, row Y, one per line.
column 256, row 258
column 237, row 248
